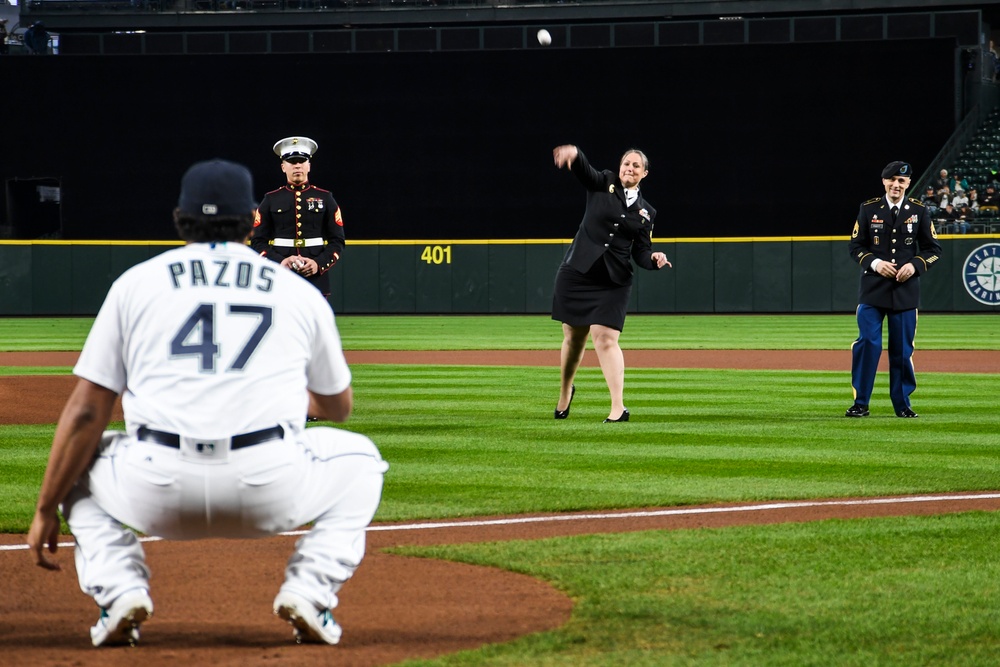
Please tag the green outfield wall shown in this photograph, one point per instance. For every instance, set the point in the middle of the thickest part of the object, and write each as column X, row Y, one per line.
column 732, row 275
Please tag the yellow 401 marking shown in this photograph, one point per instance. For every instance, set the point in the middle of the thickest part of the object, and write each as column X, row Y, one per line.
column 436, row 254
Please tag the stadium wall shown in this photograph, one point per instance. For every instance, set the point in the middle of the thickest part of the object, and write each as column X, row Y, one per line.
column 737, row 275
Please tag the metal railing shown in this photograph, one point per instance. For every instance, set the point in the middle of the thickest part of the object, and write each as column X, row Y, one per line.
column 950, row 151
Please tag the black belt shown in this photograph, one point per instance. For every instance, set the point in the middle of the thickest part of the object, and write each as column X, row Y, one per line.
column 236, row 442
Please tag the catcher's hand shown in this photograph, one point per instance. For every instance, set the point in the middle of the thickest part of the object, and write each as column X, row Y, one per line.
column 44, row 531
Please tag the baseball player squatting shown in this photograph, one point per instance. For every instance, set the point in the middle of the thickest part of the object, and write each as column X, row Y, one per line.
column 190, row 338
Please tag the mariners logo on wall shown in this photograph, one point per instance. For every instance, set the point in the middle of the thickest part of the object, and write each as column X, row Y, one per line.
column 981, row 274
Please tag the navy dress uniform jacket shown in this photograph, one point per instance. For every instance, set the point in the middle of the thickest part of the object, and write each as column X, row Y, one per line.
column 610, row 229
column 911, row 239
column 300, row 220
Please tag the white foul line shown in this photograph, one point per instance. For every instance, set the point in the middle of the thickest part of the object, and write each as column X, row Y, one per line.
column 626, row 515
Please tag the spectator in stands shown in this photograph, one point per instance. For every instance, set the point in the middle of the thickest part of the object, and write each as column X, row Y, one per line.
column 965, row 216
column 36, row 39
column 993, row 174
column 930, row 200
column 989, row 201
column 948, row 220
column 944, row 194
column 958, row 181
column 989, row 197
column 960, row 200
column 941, row 182
column 973, row 200
column 3, row 37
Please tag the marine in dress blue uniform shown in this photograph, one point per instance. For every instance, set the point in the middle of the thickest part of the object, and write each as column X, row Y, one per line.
column 299, row 222
column 893, row 248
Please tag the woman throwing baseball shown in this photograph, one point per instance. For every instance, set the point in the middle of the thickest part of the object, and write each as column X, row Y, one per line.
column 595, row 278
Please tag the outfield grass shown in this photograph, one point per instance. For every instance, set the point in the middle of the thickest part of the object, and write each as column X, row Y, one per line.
column 466, row 441
column 539, row 332
column 894, row 592
column 697, row 436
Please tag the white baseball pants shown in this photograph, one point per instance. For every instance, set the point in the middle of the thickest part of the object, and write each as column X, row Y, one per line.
column 323, row 475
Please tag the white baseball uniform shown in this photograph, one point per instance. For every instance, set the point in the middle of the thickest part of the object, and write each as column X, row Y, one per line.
column 213, row 349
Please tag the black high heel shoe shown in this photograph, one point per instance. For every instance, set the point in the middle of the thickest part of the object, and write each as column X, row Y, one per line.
column 562, row 414
column 623, row 418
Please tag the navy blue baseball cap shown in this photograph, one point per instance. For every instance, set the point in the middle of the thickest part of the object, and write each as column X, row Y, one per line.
column 897, row 168
column 217, row 187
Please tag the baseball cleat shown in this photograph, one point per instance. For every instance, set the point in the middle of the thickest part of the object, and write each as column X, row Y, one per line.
column 857, row 410
column 119, row 623
column 311, row 625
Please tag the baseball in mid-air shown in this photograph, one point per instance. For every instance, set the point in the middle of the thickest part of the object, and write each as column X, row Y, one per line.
column 544, row 38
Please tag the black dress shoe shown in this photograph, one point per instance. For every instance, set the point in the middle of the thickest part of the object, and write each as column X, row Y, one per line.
column 906, row 413
column 623, row 418
column 562, row 414
column 312, row 419
column 857, row 410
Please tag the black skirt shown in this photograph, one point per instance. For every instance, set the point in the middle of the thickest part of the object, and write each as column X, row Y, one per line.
column 583, row 299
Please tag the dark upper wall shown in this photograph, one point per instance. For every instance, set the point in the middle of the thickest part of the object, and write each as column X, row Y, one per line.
column 108, row 15
column 751, row 140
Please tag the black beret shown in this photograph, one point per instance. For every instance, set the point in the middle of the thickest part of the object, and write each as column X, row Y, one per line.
column 897, row 169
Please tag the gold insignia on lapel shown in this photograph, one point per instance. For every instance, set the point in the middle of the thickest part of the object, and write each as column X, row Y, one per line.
column 854, row 234
column 611, row 188
column 875, row 240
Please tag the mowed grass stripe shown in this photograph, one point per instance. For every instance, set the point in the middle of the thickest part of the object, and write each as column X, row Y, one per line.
column 697, row 436
column 935, row 331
